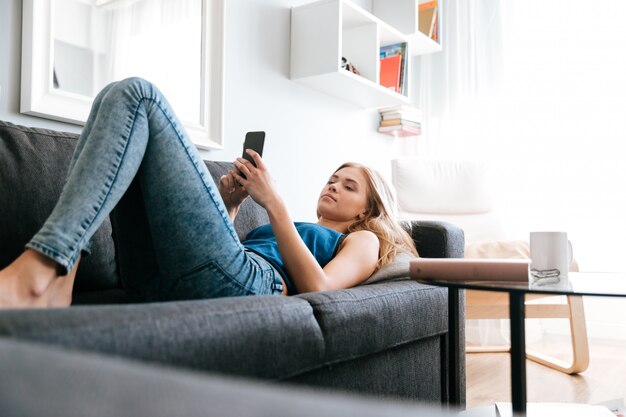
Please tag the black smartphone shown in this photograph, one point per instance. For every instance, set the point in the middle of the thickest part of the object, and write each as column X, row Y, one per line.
column 254, row 141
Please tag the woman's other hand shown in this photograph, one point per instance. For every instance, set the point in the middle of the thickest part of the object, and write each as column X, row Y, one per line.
column 232, row 193
column 258, row 182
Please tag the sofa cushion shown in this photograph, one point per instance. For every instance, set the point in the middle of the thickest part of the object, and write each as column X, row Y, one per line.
column 43, row 381
column 33, row 167
column 261, row 336
column 372, row 318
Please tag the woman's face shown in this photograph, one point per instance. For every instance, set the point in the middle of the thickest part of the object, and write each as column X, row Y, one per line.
column 344, row 197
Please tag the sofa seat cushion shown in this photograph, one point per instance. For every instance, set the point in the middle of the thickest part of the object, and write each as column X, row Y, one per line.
column 43, row 381
column 262, row 336
column 372, row 318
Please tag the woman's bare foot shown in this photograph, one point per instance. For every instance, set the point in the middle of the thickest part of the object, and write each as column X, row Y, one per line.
column 59, row 292
column 32, row 281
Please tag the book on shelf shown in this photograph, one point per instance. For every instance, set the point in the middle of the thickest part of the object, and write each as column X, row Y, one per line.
column 398, row 49
column 435, row 35
column 428, row 19
column 394, row 122
column 390, row 72
column 416, row 130
column 427, row 4
column 404, row 128
column 403, row 114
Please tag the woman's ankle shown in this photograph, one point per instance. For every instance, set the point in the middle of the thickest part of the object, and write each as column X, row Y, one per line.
column 36, row 271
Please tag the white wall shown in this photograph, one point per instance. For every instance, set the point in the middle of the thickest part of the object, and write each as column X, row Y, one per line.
column 308, row 133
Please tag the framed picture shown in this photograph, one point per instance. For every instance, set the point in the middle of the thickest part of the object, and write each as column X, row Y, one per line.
column 71, row 49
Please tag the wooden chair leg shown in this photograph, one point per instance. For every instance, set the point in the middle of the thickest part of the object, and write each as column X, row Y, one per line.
column 580, row 344
column 578, row 331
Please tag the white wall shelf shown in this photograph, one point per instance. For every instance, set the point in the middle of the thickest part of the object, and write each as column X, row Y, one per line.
column 325, row 31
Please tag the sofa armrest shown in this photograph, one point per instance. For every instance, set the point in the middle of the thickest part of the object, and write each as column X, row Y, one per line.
column 437, row 239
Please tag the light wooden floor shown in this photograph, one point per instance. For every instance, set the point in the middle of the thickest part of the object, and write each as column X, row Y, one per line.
column 488, row 376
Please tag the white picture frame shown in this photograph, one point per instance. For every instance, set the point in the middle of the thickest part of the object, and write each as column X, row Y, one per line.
column 39, row 98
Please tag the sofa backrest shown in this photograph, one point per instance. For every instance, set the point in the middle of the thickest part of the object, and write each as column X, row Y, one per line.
column 33, row 167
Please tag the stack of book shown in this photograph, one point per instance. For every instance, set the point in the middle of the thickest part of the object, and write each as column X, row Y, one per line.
column 393, row 67
column 400, row 121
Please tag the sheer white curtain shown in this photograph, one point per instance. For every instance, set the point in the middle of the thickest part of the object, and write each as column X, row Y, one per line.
column 159, row 40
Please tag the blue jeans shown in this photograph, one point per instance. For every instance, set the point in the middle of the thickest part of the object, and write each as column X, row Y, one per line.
column 173, row 237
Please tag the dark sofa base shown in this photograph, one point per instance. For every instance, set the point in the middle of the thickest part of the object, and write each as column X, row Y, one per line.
column 408, row 371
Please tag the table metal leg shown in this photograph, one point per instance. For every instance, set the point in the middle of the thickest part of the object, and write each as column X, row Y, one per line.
column 518, row 352
column 454, row 395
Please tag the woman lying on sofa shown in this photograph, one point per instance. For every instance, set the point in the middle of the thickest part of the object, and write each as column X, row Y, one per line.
column 173, row 226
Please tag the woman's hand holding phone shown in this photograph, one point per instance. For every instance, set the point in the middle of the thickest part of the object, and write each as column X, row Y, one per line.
column 257, row 181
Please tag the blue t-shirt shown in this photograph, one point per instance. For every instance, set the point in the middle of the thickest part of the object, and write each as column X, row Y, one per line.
column 321, row 241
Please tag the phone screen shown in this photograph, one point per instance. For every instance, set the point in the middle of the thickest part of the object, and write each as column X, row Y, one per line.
column 254, row 141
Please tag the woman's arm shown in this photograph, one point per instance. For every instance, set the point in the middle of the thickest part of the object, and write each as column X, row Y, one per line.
column 354, row 263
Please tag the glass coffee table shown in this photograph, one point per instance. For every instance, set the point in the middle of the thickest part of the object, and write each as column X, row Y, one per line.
column 578, row 283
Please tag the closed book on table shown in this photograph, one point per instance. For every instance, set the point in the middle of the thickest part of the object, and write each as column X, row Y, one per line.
column 390, row 72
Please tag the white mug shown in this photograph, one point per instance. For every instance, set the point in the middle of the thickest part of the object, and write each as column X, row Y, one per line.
column 550, row 253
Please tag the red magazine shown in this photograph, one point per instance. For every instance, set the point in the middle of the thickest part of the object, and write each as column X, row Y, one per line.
column 390, row 72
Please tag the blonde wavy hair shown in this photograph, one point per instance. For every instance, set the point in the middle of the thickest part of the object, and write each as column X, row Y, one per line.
column 381, row 218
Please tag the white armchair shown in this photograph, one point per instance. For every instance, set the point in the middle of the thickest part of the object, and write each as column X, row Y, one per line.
column 459, row 192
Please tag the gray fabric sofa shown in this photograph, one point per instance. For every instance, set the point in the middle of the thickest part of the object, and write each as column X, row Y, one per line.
column 99, row 386
column 385, row 339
